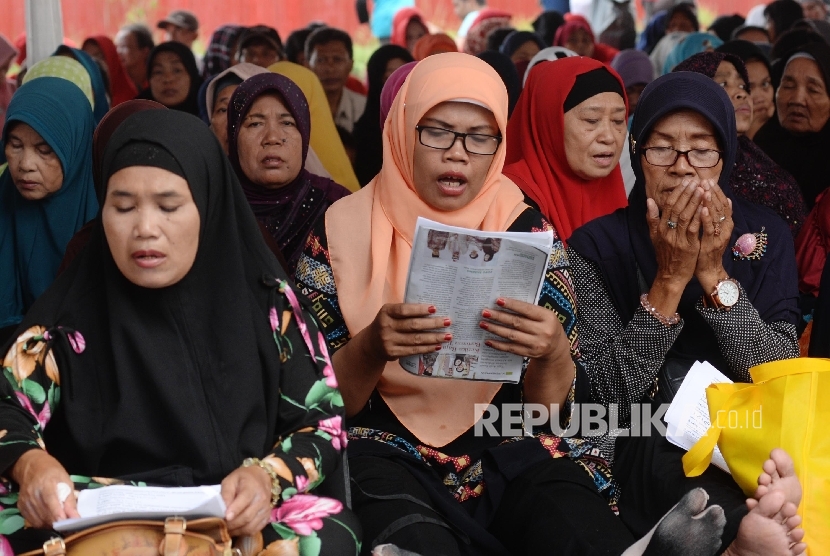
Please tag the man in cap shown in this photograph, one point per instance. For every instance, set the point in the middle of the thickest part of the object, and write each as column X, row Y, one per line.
column 259, row 45
column 180, row 26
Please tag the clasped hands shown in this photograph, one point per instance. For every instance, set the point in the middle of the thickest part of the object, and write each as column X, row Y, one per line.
column 691, row 233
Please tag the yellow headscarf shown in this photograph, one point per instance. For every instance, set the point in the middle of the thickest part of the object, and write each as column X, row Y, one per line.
column 324, row 137
column 65, row 68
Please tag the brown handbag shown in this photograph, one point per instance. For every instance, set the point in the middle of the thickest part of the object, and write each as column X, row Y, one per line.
column 174, row 536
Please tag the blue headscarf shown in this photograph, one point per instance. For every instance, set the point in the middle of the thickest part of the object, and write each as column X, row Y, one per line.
column 34, row 234
column 516, row 39
column 99, row 90
column 620, row 244
column 654, row 31
column 692, row 44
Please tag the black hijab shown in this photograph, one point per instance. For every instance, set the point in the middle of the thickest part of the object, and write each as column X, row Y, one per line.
column 620, row 245
column 805, row 156
column 176, row 385
column 509, row 75
column 191, row 103
column 367, row 132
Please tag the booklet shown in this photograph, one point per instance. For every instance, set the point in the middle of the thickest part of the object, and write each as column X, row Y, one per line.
column 688, row 415
column 122, row 502
column 463, row 272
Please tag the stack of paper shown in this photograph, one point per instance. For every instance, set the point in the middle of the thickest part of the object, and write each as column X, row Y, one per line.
column 688, row 416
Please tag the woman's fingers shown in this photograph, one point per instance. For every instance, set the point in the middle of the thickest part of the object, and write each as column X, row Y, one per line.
column 410, row 310
column 679, row 200
column 693, row 199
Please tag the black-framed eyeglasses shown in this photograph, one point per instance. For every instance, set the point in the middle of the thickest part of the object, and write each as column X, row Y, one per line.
column 443, row 139
column 667, row 156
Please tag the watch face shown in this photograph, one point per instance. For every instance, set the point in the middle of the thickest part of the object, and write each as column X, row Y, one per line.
column 728, row 293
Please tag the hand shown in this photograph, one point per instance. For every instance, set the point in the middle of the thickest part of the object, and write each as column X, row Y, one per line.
column 247, row 496
column 402, row 329
column 677, row 249
column 532, row 331
column 39, row 475
column 716, row 206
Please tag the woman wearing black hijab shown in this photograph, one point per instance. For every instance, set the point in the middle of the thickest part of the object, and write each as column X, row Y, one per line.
column 367, row 130
column 798, row 137
column 174, row 78
column 509, row 76
column 171, row 351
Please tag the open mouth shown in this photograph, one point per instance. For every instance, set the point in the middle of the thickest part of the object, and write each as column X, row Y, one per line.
column 148, row 258
column 273, row 162
column 452, row 184
column 603, row 160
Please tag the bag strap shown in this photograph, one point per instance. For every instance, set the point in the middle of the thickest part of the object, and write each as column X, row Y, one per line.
column 699, row 456
column 174, row 529
column 788, row 367
column 54, row 547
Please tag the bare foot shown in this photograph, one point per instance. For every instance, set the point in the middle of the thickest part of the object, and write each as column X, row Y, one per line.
column 761, row 532
column 779, row 474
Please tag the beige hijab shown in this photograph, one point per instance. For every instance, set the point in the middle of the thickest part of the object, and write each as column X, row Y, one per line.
column 370, row 237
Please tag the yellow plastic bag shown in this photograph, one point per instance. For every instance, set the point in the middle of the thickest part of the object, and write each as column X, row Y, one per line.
column 787, row 406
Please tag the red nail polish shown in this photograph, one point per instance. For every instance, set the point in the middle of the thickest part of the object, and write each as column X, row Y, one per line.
column 484, row 325
column 447, row 322
column 448, row 337
column 488, row 343
column 500, row 302
column 437, row 348
column 487, row 314
column 432, row 309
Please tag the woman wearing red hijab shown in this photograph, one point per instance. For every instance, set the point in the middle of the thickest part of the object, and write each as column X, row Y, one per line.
column 564, row 141
column 121, row 86
column 408, row 26
column 576, row 34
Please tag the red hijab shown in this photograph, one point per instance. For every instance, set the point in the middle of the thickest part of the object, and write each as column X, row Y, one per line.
column 402, row 19
column 536, row 159
column 122, row 87
column 602, row 52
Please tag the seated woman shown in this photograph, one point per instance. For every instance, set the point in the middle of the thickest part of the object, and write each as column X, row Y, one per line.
column 688, row 46
column 576, row 35
column 759, row 72
column 798, row 135
column 97, row 75
column 90, row 376
column 174, row 78
column 103, row 49
column 422, row 478
column 755, row 176
column 650, row 289
column 573, row 176
column 46, row 192
column 521, row 47
column 268, row 133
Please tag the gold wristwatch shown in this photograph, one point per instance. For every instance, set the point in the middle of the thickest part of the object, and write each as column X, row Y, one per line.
column 725, row 296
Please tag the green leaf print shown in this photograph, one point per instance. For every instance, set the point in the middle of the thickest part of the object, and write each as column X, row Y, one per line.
column 34, row 391
column 310, row 545
column 284, row 531
column 11, row 523
column 53, row 396
column 320, row 393
column 7, row 372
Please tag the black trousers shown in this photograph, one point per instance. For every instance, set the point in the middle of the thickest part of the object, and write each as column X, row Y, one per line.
column 553, row 507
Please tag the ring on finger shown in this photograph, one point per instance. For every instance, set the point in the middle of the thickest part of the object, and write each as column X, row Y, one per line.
column 671, row 224
column 721, row 219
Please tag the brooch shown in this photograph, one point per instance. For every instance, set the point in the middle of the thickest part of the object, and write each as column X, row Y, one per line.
column 750, row 246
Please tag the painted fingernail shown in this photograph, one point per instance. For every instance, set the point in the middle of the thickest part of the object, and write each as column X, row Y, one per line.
column 488, row 343
column 486, row 314
column 437, row 348
column 500, row 302
column 484, row 325
column 447, row 322
column 448, row 337
column 432, row 309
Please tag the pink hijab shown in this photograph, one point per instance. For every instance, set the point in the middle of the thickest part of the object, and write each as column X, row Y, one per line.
column 391, row 88
column 7, row 88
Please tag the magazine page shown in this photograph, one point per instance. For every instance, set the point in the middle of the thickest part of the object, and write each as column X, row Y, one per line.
column 462, row 272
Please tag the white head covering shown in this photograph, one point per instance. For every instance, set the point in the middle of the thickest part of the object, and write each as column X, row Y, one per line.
column 548, row 54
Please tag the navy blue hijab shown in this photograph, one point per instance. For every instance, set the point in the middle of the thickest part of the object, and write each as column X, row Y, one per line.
column 620, row 243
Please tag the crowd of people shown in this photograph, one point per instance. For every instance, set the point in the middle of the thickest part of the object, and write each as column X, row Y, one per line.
column 204, row 262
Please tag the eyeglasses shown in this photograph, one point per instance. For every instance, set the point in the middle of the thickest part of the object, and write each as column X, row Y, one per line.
column 667, row 156
column 444, row 139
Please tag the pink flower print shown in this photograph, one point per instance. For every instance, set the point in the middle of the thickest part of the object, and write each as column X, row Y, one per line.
column 301, row 482
column 5, row 547
column 328, row 370
column 298, row 314
column 275, row 320
column 333, row 427
column 304, row 512
column 77, row 341
column 45, row 413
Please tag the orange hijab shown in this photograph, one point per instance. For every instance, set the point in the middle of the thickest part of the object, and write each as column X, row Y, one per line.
column 536, row 158
column 429, row 45
column 370, row 236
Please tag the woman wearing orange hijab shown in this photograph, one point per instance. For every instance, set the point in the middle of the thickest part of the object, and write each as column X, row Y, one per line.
column 433, row 44
column 424, row 480
column 565, row 139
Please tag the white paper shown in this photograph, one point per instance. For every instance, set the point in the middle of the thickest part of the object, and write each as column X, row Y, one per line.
column 688, row 415
column 121, row 502
column 462, row 272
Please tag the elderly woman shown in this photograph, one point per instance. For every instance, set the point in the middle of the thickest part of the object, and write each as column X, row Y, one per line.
column 686, row 272
column 797, row 138
column 268, row 134
column 755, row 176
column 572, row 176
column 422, row 478
column 46, row 193
column 760, row 86
column 143, row 308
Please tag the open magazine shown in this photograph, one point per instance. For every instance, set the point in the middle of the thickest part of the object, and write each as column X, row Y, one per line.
column 463, row 272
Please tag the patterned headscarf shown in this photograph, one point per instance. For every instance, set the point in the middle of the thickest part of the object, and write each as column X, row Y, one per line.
column 219, row 55
column 63, row 68
column 487, row 21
